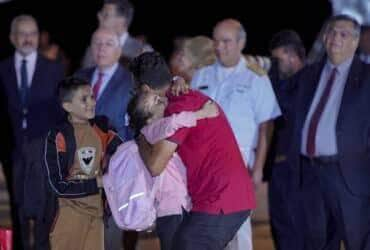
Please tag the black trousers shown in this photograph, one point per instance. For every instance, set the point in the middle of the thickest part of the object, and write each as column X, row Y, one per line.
column 332, row 212
column 30, row 229
column 202, row 231
column 166, row 228
column 34, row 234
column 286, row 216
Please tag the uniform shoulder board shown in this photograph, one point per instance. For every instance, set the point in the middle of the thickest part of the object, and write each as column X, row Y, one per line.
column 256, row 68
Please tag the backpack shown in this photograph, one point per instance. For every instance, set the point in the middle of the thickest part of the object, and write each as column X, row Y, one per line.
column 130, row 189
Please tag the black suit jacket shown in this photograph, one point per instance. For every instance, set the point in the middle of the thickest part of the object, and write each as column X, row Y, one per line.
column 43, row 107
column 43, row 110
column 353, row 123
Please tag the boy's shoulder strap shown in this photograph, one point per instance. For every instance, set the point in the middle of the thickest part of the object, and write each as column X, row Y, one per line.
column 107, row 135
column 66, row 130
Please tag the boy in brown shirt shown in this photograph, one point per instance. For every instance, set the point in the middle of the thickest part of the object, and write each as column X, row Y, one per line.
column 74, row 155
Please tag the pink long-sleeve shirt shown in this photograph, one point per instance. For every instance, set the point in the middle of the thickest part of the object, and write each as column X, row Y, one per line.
column 172, row 194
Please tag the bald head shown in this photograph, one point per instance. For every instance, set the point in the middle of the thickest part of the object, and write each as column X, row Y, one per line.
column 106, row 49
column 235, row 25
column 229, row 38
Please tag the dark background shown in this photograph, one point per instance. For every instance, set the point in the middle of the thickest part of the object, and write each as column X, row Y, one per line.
column 72, row 22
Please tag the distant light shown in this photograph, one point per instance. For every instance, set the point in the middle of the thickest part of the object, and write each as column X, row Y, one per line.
column 4, row 1
column 358, row 9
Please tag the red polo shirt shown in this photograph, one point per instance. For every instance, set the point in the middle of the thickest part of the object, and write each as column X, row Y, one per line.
column 218, row 180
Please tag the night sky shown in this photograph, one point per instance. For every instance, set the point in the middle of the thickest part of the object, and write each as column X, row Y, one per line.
column 72, row 22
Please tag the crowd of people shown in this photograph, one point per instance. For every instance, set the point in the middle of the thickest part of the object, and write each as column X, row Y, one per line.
column 210, row 126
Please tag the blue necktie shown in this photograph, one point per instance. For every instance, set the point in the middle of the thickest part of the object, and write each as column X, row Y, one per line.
column 24, row 83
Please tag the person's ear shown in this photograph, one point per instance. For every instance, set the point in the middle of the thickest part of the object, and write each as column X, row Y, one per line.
column 119, row 51
column 241, row 43
column 67, row 106
column 12, row 39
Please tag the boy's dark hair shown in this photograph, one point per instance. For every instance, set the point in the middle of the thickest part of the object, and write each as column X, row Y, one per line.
column 124, row 9
column 68, row 86
column 150, row 68
column 137, row 115
column 288, row 39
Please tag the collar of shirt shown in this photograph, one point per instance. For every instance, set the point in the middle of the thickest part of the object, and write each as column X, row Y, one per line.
column 223, row 73
column 31, row 65
column 108, row 73
column 123, row 38
column 342, row 69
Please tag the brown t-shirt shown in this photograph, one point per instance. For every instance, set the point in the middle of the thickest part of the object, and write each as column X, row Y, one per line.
column 86, row 165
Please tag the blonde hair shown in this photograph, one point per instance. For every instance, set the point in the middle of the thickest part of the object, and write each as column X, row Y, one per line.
column 200, row 51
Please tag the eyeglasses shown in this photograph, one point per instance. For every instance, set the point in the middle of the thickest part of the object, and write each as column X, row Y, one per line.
column 27, row 34
column 344, row 34
column 106, row 44
column 106, row 14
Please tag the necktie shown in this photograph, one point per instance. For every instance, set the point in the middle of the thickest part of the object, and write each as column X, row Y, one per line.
column 317, row 114
column 97, row 85
column 24, row 83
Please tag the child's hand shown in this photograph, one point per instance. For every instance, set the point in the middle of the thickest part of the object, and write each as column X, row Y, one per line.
column 179, row 86
column 209, row 110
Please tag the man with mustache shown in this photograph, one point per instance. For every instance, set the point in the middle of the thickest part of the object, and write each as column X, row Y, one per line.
column 28, row 84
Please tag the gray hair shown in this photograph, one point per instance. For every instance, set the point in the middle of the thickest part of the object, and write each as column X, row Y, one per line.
column 19, row 19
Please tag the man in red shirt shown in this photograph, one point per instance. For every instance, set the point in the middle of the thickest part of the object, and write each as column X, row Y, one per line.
column 218, row 181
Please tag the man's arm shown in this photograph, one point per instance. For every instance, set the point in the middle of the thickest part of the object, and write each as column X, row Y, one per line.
column 156, row 156
column 265, row 129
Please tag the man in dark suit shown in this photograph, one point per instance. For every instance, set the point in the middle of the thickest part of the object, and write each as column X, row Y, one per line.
column 117, row 15
column 331, row 142
column 29, row 87
column 112, row 86
column 364, row 46
column 288, row 54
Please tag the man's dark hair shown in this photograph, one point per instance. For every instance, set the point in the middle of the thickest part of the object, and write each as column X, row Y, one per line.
column 150, row 68
column 124, row 8
column 343, row 17
column 290, row 40
column 365, row 28
column 138, row 117
column 68, row 86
